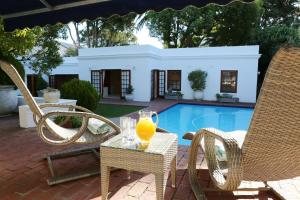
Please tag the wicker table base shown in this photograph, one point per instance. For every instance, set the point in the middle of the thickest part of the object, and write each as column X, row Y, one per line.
column 157, row 159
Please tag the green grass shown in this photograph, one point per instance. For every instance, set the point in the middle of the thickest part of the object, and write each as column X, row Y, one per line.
column 108, row 110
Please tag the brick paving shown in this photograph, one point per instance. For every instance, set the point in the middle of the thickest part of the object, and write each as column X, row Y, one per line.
column 23, row 174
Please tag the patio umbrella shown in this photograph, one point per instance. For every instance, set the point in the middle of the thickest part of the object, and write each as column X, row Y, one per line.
column 20, row 14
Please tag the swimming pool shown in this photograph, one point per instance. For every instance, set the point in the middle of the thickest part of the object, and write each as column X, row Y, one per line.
column 182, row 118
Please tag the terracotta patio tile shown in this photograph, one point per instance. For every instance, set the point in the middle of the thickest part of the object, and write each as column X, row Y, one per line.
column 24, row 177
column 138, row 189
column 148, row 195
column 120, row 193
column 182, row 192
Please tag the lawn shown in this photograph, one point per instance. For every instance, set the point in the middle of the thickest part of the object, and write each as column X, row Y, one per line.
column 108, row 110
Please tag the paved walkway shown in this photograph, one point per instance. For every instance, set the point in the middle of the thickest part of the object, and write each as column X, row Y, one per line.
column 23, row 174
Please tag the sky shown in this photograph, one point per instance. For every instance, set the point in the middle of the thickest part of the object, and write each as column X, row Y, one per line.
column 144, row 38
column 142, row 35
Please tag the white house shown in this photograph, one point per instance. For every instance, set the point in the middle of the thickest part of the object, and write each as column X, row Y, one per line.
column 152, row 71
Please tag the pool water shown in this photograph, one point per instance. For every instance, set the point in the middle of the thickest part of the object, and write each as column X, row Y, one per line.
column 182, row 118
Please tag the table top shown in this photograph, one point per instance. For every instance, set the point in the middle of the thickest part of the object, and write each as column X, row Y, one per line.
column 159, row 144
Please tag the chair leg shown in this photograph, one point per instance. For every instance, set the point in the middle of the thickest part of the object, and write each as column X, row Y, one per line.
column 55, row 179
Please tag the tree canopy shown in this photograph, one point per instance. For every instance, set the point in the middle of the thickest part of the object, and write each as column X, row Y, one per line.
column 186, row 28
column 103, row 32
column 46, row 56
column 38, row 46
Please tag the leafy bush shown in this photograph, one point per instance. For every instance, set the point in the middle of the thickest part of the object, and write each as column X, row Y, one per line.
column 197, row 80
column 83, row 91
column 41, row 83
column 129, row 90
column 4, row 79
column 76, row 122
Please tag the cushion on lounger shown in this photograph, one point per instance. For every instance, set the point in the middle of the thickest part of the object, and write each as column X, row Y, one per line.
column 96, row 126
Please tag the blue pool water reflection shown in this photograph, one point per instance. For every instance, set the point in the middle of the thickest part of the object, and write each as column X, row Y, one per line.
column 182, row 118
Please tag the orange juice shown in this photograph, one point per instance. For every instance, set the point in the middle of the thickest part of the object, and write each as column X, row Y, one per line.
column 145, row 129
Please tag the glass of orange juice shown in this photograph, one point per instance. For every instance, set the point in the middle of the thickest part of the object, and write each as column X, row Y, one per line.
column 146, row 128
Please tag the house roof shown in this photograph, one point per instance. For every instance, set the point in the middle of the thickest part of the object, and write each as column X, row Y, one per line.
column 176, row 53
column 30, row 13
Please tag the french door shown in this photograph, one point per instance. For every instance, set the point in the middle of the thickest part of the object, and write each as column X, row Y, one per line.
column 158, row 83
column 125, row 81
column 97, row 80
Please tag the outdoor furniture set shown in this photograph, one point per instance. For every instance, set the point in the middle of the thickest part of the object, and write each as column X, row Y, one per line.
column 270, row 151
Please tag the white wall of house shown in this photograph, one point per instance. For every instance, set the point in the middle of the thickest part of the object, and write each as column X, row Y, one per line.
column 142, row 59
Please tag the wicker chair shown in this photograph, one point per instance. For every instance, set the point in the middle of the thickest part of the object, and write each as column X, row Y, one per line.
column 271, row 148
column 57, row 135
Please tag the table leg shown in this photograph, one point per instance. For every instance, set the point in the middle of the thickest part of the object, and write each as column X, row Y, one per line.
column 128, row 174
column 159, row 181
column 105, row 172
column 173, row 172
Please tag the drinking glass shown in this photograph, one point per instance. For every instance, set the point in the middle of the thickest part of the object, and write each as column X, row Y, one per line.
column 124, row 125
column 131, row 133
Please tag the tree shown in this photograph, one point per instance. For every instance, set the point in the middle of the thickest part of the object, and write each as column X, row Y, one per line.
column 103, row 32
column 71, row 52
column 186, row 28
column 16, row 43
column 279, row 25
column 38, row 46
column 235, row 24
column 276, row 12
column 46, row 56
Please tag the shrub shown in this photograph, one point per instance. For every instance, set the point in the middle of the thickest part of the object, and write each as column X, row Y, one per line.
column 41, row 83
column 197, row 80
column 129, row 90
column 75, row 122
column 4, row 79
column 83, row 91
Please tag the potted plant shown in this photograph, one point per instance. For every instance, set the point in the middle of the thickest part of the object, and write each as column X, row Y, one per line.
column 129, row 95
column 51, row 95
column 198, row 83
column 8, row 93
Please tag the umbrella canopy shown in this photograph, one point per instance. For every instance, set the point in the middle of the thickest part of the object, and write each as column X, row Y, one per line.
column 30, row 13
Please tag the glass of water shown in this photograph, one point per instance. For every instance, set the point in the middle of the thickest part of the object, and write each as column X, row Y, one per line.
column 124, row 125
column 131, row 133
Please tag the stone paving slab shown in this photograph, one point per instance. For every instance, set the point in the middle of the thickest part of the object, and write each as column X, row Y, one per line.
column 23, row 174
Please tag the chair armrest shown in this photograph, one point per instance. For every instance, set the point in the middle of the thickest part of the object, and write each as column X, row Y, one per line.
column 234, row 159
column 188, row 135
column 85, row 118
column 52, row 105
column 70, row 107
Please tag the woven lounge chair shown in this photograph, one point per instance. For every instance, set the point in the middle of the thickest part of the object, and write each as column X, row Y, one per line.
column 56, row 134
column 271, row 148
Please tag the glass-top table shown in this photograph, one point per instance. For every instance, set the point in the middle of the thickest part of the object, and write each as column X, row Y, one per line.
column 158, row 158
column 159, row 143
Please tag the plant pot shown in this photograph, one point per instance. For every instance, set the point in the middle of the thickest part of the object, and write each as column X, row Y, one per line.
column 8, row 99
column 198, row 95
column 129, row 97
column 51, row 96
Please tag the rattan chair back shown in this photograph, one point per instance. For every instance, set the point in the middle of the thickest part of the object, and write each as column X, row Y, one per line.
column 271, row 150
column 16, row 78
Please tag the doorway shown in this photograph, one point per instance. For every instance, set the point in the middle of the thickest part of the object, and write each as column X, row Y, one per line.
column 31, row 84
column 111, row 84
column 158, row 80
